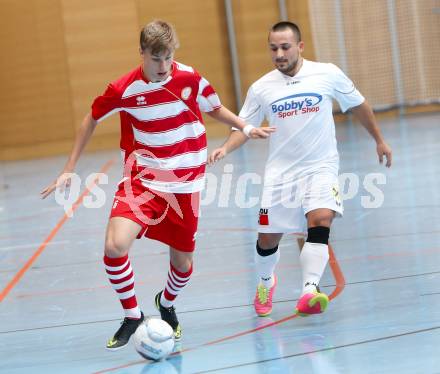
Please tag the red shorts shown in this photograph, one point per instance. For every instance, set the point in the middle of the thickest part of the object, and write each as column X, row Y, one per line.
column 169, row 218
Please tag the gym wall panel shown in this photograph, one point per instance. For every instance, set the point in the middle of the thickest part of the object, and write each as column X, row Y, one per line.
column 252, row 21
column 35, row 97
column 419, row 47
column 389, row 48
column 102, row 44
column 298, row 12
column 363, row 43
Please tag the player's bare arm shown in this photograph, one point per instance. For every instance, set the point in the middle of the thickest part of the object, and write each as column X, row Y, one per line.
column 235, row 140
column 82, row 138
column 225, row 116
column 366, row 117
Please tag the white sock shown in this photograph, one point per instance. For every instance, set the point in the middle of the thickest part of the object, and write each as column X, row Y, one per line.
column 313, row 259
column 265, row 267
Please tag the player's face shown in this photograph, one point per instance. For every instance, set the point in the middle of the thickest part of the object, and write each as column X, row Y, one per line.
column 157, row 67
column 285, row 51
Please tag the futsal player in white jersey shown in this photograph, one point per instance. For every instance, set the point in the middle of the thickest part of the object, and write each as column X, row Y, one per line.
column 301, row 174
column 164, row 144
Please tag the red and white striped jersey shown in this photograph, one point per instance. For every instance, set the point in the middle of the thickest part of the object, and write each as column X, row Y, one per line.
column 161, row 123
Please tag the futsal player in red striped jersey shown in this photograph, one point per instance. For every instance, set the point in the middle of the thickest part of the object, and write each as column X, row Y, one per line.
column 164, row 143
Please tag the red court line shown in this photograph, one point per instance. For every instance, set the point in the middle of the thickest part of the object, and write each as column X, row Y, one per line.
column 52, row 234
column 211, row 275
column 340, row 285
column 337, row 274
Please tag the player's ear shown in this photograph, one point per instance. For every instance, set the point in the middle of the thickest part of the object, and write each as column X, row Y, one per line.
column 301, row 46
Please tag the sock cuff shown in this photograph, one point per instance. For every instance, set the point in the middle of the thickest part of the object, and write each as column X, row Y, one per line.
column 266, row 252
column 318, row 234
column 181, row 274
column 115, row 261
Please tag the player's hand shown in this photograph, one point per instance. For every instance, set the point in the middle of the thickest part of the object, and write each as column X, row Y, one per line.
column 62, row 182
column 383, row 149
column 261, row 132
column 216, row 155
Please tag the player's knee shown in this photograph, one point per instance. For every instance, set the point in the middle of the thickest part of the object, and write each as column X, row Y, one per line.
column 324, row 220
column 267, row 242
column 264, row 244
column 115, row 248
column 182, row 261
column 266, row 251
column 320, row 217
column 183, row 266
column 318, row 234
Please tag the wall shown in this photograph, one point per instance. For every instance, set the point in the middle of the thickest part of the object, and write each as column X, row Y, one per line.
column 62, row 53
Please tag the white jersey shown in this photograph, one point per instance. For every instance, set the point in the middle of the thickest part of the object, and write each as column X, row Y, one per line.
column 300, row 108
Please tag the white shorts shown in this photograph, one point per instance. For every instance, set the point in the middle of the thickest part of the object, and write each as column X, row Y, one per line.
column 284, row 207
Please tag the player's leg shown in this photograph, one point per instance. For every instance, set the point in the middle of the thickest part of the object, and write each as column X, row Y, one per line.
column 278, row 215
column 121, row 232
column 267, row 256
column 314, row 258
column 179, row 274
column 300, row 241
column 179, row 232
column 321, row 203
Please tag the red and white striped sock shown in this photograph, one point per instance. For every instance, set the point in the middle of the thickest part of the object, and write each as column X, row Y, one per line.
column 121, row 277
column 176, row 281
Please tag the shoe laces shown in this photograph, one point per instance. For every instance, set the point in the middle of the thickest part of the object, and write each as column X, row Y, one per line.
column 121, row 329
column 262, row 293
column 129, row 321
column 169, row 315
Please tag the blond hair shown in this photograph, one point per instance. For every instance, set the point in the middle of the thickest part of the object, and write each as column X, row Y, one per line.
column 158, row 36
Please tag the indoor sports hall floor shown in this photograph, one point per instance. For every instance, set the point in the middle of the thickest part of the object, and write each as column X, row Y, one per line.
column 57, row 309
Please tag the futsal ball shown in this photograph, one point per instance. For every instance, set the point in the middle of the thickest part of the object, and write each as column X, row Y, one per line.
column 154, row 339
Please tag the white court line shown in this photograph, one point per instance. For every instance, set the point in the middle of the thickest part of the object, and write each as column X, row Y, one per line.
column 32, row 245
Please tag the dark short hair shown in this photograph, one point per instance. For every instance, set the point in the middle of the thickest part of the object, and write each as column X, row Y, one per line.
column 283, row 25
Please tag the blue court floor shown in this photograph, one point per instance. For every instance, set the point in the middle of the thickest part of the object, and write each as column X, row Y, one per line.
column 57, row 308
